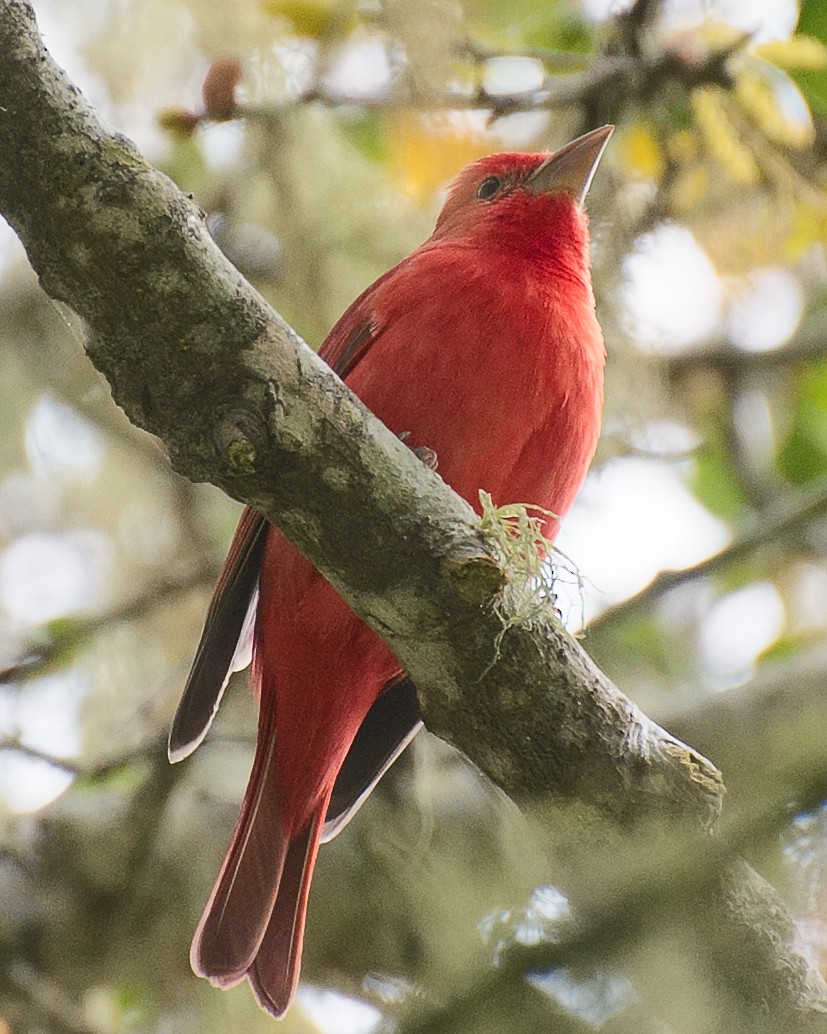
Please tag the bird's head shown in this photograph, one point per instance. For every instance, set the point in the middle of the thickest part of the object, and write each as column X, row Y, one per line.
column 530, row 199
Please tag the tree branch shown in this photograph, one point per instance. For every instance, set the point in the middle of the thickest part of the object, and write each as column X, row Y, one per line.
column 809, row 343
column 195, row 356
column 610, row 86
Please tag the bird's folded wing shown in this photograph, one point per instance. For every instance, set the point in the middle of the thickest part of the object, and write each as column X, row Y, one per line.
column 226, row 641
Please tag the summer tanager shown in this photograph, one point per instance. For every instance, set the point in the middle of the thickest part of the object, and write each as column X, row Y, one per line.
column 483, row 348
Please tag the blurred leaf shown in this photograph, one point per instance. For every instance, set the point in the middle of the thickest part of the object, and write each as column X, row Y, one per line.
column 712, row 116
column 809, row 227
column 59, row 640
column 62, row 630
column 766, row 94
column 180, row 123
column 813, row 81
column 121, row 779
column 689, row 188
column 575, row 34
column 803, row 455
column 789, row 646
column 715, row 481
column 813, row 84
column 640, row 153
column 666, row 654
column 367, row 132
column 120, row 1009
column 813, row 19
column 523, row 23
column 185, row 164
column 427, row 151
column 134, row 1005
column 795, row 53
column 315, row 19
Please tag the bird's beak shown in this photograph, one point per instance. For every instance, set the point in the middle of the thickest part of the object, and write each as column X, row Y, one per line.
column 571, row 168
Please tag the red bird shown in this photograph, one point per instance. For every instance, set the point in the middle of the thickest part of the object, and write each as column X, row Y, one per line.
column 482, row 346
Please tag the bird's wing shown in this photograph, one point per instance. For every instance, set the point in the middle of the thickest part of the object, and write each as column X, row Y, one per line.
column 394, row 719
column 386, row 731
column 226, row 641
column 356, row 330
column 342, row 352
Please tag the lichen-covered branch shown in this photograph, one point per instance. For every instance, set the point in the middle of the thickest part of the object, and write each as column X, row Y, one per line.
column 194, row 355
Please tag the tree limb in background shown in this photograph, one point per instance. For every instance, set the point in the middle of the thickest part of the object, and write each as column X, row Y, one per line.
column 194, row 355
column 768, row 737
column 776, row 522
column 66, row 637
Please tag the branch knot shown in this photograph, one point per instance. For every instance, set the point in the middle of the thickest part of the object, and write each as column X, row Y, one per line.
column 238, row 436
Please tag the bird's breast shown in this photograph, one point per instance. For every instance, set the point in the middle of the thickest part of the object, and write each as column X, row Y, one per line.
column 498, row 370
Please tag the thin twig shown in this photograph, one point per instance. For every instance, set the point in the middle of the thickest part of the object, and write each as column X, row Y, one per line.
column 39, row 657
column 151, row 749
column 638, row 76
column 774, row 523
column 809, row 343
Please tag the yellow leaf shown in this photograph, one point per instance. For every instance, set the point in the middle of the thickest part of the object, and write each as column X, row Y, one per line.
column 640, row 152
column 683, row 146
column 758, row 91
column 312, row 18
column 428, row 150
column 799, row 52
column 689, row 188
column 721, row 138
column 809, row 227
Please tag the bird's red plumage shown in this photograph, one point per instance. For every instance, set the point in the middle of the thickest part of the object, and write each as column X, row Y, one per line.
column 483, row 346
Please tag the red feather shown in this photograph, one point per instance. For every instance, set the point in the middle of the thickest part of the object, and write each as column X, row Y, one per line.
column 483, row 346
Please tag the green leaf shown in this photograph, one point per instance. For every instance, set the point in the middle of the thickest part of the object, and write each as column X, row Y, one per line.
column 803, row 454
column 122, row 779
column 813, row 19
column 790, row 646
column 813, row 84
column 525, row 23
column 715, row 481
column 571, row 33
column 366, row 131
column 668, row 656
column 134, row 1004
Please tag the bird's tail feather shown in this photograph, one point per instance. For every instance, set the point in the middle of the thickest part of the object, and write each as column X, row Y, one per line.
column 275, row 972
column 238, row 911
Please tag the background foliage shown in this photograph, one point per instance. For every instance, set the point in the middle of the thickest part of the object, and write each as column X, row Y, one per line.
column 319, row 168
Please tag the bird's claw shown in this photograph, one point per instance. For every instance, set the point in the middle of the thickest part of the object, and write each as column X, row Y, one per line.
column 428, row 456
column 422, row 452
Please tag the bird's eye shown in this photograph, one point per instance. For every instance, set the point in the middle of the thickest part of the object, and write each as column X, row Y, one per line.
column 489, row 187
